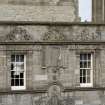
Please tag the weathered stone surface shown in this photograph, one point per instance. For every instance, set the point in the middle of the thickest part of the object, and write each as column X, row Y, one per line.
column 64, row 60
column 60, row 63
column 52, row 71
column 37, row 2
column 39, row 10
column 37, row 13
column 98, row 10
column 71, row 98
column 18, row 34
column 52, row 33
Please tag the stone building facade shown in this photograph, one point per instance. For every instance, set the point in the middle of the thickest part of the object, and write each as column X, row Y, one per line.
column 98, row 10
column 39, row 10
column 47, row 57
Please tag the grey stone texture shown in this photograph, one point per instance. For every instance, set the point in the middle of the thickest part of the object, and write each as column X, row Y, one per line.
column 39, row 10
column 42, row 60
column 46, row 33
column 73, row 98
column 98, row 11
column 52, row 48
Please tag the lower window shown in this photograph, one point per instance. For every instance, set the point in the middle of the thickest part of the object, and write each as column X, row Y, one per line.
column 18, row 69
column 86, row 70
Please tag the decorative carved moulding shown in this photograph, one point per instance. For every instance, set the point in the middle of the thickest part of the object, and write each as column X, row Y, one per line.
column 82, row 34
column 51, row 34
column 18, row 34
column 86, row 35
column 54, row 34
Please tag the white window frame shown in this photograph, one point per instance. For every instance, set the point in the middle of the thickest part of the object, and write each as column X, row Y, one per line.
column 24, row 86
column 91, row 73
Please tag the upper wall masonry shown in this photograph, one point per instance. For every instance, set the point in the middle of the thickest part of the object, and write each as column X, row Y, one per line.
column 38, row 2
column 98, row 11
column 46, row 33
column 39, row 10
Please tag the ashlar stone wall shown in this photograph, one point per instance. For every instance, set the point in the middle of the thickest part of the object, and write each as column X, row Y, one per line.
column 39, row 10
column 72, row 98
column 52, row 60
column 47, row 47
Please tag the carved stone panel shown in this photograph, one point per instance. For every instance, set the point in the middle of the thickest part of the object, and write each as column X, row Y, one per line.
column 58, row 33
column 54, row 34
column 18, row 34
column 85, row 34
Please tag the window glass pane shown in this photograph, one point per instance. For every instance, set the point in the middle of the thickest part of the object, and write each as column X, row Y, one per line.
column 16, row 76
column 84, row 73
column 80, row 79
column 88, row 79
column 80, row 72
column 12, row 66
column 89, row 65
column 12, row 74
column 17, row 70
column 85, row 64
column 17, row 58
column 81, row 57
column 84, row 79
column 12, row 82
column 88, row 72
column 12, row 58
column 85, row 56
column 21, row 58
column 19, row 67
column 22, row 66
column 21, row 82
column 16, row 82
column 89, row 56
column 21, row 75
column 81, row 65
